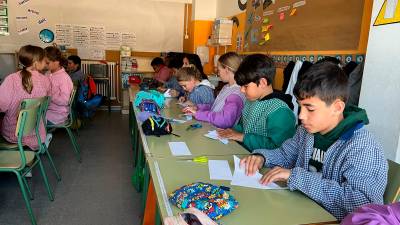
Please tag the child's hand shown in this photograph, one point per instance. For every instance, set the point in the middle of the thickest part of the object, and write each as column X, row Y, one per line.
column 190, row 110
column 182, row 99
column 276, row 174
column 174, row 93
column 252, row 164
column 230, row 134
column 189, row 103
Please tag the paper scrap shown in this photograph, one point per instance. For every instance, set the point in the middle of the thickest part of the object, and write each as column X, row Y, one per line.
column 299, row 3
column 282, row 9
column 21, row 18
column 293, row 12
column 22, row 2
column 23, row 31
column 219, row 170
column 281, row 16
column 267, row 37
column 214, row 135
column 268, row 13
column 266, row 20
column 179, row 149
column 240, row 179
column 33, row 11
column 42, row 20
column 167, row 94
column 266, row 28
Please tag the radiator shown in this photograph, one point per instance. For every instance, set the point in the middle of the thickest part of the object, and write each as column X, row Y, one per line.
column 111, row 70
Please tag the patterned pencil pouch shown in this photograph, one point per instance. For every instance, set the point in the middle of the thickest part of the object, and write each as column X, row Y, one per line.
column 210, row 199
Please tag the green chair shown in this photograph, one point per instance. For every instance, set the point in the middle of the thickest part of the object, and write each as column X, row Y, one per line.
column 21, row 162
column 392, row 192
column 67, row 125
column 44, row 103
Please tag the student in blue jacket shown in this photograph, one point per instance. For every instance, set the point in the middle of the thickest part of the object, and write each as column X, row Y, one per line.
column 332, row 158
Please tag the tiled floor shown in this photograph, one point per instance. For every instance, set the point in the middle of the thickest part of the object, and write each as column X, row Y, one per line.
column 96, row 192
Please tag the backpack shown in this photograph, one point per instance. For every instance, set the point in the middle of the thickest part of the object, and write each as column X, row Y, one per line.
column 148, row 105
column 88, row 101
column 157, row 126
column 156, row 96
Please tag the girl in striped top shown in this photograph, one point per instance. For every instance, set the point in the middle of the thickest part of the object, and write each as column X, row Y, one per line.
column 198, row 91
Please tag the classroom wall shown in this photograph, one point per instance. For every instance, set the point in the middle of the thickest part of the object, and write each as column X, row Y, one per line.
column 225, row 7
column 157, row 24
column 381, row 84
column 204, row 9
column 201, row 17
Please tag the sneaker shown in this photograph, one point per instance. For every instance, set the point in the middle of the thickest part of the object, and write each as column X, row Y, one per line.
column 48, row 139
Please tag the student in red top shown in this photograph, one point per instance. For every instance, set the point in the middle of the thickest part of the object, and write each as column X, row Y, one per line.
column 162, row 72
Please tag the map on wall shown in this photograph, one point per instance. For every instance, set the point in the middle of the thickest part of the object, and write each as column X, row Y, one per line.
column 389, row 13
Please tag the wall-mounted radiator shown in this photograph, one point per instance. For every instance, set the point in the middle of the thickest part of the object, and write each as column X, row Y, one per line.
column 100, row 70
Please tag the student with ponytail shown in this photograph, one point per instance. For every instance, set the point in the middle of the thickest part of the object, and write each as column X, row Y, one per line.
column 227, row 108
column 61, row 86
column 26, row 83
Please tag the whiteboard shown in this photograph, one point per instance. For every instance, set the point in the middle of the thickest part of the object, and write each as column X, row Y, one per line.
column 158, row 25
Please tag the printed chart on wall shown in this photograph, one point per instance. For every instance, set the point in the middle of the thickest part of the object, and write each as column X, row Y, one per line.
column 304, row 25
column 389, row 13
column 3, row 18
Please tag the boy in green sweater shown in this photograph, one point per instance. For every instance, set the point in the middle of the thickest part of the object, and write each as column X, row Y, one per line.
column 267, row 121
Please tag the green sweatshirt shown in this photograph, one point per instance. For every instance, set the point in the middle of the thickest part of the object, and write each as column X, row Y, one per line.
column 352, row 116
column 266, row 124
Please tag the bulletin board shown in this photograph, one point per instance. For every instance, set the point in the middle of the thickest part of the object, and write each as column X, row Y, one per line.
column 308, row 25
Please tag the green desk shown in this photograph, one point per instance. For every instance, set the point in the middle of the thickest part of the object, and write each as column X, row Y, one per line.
column 198, row 144
column 255, row 206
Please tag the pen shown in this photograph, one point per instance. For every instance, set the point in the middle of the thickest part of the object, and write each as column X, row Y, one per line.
column 176, row 135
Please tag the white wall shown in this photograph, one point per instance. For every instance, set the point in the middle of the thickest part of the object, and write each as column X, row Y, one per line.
column 227, row 8
column 158, row 25
column 204, row 9
column 381, row 84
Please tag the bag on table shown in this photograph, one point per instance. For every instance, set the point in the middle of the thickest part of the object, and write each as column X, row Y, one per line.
column 157, row 126
column 212, row 200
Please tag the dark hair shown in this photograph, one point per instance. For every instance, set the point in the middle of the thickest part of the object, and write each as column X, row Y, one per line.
column 54, row 54
column 157, row 61
column 329, row 59
column 175, row 62
column 325, row 80
column 253, row 68
column 195, row 60
column 76, row 59
column 188, row 73
column 27, row 55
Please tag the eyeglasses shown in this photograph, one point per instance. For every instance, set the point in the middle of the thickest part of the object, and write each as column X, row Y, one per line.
column 190, row 219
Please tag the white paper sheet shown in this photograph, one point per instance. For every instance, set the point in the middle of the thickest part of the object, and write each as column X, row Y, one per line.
column 214, row 135
column 219, row 170
column 240, row 179
column 167, row 94
column 179, row 149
